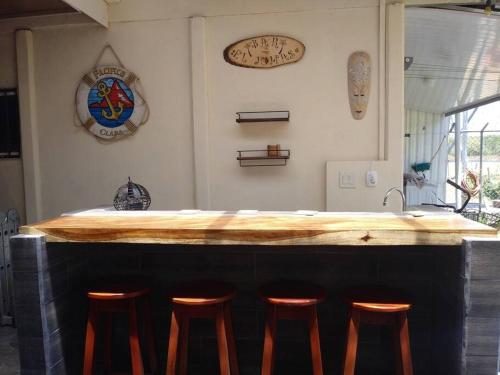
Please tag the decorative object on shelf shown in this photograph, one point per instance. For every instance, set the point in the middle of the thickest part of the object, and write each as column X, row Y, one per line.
column 273, row 150
column 132, row 196
column 265, row 51
column 264, row 116
column 263, row 158
column 108, row 101
column 359, row 80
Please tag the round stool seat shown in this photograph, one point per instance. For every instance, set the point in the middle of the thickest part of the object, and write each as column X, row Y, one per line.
column 116, row 290
column 377, row 299
column 202, row 293
column 120, row 295
column 379, row 306
column 292, row 293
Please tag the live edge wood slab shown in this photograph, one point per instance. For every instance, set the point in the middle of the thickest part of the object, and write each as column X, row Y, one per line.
column 264, row 228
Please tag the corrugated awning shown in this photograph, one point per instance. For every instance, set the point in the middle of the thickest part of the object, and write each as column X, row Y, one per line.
column 456, row 58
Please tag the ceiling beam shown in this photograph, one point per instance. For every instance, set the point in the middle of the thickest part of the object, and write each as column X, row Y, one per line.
column 478, row 103
column 440, row 2
column 95, row 9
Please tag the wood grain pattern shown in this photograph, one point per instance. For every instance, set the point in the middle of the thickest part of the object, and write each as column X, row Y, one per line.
column 264, row 229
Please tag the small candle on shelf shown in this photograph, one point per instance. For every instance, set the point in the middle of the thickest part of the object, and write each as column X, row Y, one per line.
column 273, row 150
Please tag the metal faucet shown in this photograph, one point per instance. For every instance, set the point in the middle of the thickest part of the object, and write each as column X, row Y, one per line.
column 403, row 198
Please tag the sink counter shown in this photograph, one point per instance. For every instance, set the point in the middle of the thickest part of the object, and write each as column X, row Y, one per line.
column 258, row 227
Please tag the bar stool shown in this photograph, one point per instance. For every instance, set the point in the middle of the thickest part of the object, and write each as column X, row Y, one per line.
column 379, row 306
column 291, row 300
column 201, row 299
column 120, row 297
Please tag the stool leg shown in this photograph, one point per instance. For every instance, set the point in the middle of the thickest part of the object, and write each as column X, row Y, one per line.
column 173, row 343
column 135, row 349
column 233, row 356
column 314, row 341
column 269, row 341
column 184, row 341
column 108, row 330
column 351, row 342
column 88, row 361
column 148, row 322
column 222, row 341
column 402, row 345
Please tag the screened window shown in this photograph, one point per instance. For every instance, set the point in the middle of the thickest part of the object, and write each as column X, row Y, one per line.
column 10, row 134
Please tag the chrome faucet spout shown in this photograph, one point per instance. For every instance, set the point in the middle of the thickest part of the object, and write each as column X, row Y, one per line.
column 389, row 192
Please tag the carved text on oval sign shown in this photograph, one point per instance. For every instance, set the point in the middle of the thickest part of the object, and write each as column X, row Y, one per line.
column 266, row 51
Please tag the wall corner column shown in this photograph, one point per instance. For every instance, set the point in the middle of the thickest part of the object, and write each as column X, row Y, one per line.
column 395, row 34
column 199, row 86
column 29, row 124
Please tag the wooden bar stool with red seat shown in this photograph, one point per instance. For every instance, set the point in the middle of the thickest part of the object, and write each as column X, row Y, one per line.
column 113, row 297
column 291, row 300
column 379, row 306
column 201, row 299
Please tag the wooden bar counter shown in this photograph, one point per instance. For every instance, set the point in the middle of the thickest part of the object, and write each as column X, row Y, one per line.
column 263, row 228
column 450, row 266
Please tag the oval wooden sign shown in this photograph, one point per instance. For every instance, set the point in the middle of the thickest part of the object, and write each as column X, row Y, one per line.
column 263, row 52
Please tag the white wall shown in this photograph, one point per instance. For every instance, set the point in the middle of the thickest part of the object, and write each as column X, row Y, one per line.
column 11, row 172
column 77, row 170
column 153, row 40
column 315, row 92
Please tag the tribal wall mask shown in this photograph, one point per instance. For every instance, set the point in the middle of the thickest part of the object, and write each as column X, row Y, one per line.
column 359, row 77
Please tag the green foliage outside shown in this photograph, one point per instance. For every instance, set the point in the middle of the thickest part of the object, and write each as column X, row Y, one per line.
column 491, row 145
column 491, row 189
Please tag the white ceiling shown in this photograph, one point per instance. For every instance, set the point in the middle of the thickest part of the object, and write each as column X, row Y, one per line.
column 456, row 58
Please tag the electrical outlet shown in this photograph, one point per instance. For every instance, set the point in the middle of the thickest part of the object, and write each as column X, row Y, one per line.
column 371, row 178
column 347, row 180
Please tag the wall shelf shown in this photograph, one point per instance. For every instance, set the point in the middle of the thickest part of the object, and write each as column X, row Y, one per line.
column 264, row 116
column 261, row 158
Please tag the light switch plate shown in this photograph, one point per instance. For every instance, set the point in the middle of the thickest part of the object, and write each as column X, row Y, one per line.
column 347, row 180
column 371, row 178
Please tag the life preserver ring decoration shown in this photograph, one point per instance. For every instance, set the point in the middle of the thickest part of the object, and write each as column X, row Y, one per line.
column 108, row 104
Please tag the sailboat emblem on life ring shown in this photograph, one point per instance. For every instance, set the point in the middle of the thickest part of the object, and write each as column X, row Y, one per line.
column 108, row 104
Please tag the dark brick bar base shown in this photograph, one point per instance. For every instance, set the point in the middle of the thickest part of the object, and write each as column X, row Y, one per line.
column 482, row 307
column 454, row 325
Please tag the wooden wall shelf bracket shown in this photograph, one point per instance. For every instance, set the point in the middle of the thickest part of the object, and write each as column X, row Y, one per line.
column 261, row 158
column 264, row 116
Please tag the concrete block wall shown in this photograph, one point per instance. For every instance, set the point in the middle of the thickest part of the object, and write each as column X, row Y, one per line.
column 58, row 273
column 482, row 307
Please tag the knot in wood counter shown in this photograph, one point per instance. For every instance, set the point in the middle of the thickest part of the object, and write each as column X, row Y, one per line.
column 262, row 228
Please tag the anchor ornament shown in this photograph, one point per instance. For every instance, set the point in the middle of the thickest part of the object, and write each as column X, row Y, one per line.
column 104, row 92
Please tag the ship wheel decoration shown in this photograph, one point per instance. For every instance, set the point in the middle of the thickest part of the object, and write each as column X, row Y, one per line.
column 108, row 103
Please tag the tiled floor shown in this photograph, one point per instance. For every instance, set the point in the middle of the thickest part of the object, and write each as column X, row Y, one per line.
column 9, row 356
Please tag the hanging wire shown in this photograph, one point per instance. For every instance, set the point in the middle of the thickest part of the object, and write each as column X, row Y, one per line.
column 452, row 78
column 424, row 71
column 434, row 67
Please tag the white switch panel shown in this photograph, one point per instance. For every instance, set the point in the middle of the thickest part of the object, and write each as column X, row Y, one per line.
column 371, row 178
column 347, row 180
